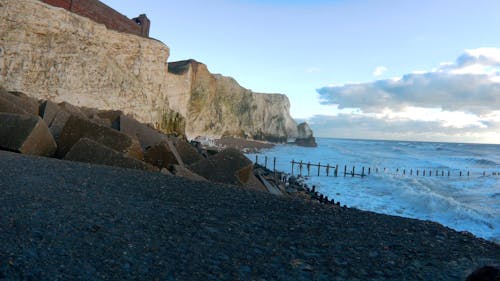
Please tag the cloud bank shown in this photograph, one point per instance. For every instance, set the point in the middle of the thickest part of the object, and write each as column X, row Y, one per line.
column 458, row 100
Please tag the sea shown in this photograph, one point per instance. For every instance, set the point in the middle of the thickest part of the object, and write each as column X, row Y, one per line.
column 466, row 199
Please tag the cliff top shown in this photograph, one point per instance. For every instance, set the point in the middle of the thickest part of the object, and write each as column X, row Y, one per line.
column 181, row 67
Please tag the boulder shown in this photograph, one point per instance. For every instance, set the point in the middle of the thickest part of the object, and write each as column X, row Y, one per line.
column 162, row 155
column 146, row 135
column 305, row 136
column 9, row 107
column 187, row 152
column 57, row 124
column 89, row 151
column 48, row 111
column 228, row 166
column 27, row 104
column 56, row 115
column 77, row 128
column 113, row 117
column 181, row 171
column 26, row 134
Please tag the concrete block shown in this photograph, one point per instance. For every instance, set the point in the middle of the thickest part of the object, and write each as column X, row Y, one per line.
column 187, row 152
column 89, row 151
column 27, row 134
column 77, row 128
column 162, row 155
column 228, row 166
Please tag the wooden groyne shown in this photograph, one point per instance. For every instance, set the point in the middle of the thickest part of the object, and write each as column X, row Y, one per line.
column 309, row 169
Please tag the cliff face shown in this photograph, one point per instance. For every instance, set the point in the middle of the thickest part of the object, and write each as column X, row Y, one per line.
column 216, row 105
column 54, row 54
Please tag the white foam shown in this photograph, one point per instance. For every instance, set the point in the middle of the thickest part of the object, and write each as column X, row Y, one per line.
column 470, row 203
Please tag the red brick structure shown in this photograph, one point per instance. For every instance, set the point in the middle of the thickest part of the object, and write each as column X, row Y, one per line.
column 101, row 13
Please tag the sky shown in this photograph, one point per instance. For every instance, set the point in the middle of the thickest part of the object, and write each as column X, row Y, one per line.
column 425, row 70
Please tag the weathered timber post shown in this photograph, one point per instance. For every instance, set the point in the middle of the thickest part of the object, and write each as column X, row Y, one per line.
column 362, row 171
column 327, row 169
column 369, row 170
column 352, row 173
column 430, row 173
column 300, row 167
column 265, row 161
column 336, row 170
column 417, row 173
column 345, row 170
column 460, row 173
column 274, row 166
column 404, row 172
column 293, row 162
column 308, row 169
column 468, row 173
column 319, row 167
column 448, row 173
column 424, row 173
column 256, row 159
column 411, row 172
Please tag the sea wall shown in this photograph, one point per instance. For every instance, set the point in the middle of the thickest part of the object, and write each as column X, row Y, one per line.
column 101, row 13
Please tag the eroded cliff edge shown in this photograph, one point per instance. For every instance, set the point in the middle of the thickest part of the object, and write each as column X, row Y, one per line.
column 54, row 54
column 215, row 105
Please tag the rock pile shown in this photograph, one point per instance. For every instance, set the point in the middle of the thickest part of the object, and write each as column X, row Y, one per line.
column 72, row 133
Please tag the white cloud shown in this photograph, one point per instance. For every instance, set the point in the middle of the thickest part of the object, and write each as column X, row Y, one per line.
column 370, row 127
column 379, row 71
column 455, row 99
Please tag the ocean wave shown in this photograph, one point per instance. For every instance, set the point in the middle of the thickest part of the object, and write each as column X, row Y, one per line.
column 485, row 162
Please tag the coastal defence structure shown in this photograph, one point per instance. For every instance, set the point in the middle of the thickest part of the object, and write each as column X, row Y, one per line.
column 101, row 13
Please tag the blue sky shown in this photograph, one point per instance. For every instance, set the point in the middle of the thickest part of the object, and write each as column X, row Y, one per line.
column 317, row 52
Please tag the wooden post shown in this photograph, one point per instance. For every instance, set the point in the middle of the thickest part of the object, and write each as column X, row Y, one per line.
column 424, row 173
column 274, row 166
column 369, row 170
column 430, row 173
column 300, row 167
column 417, row 173
column 352, row 173
column 442, row 173
column 256, row 159
column 308, row 169
column 265, row 161
column 468, row 174
column 376, row 170
column 319, row 167
column 327, row 169
column 404, row 172
column 460, row 173
column 437, row 173
column 336, row 170
column 362, row 171
column 293, row 162
column 484, row 174
column 411, row 172
column 448, row 173
column 345, row 170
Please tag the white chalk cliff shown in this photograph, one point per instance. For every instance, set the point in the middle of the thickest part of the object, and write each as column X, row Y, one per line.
column 51, row 53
